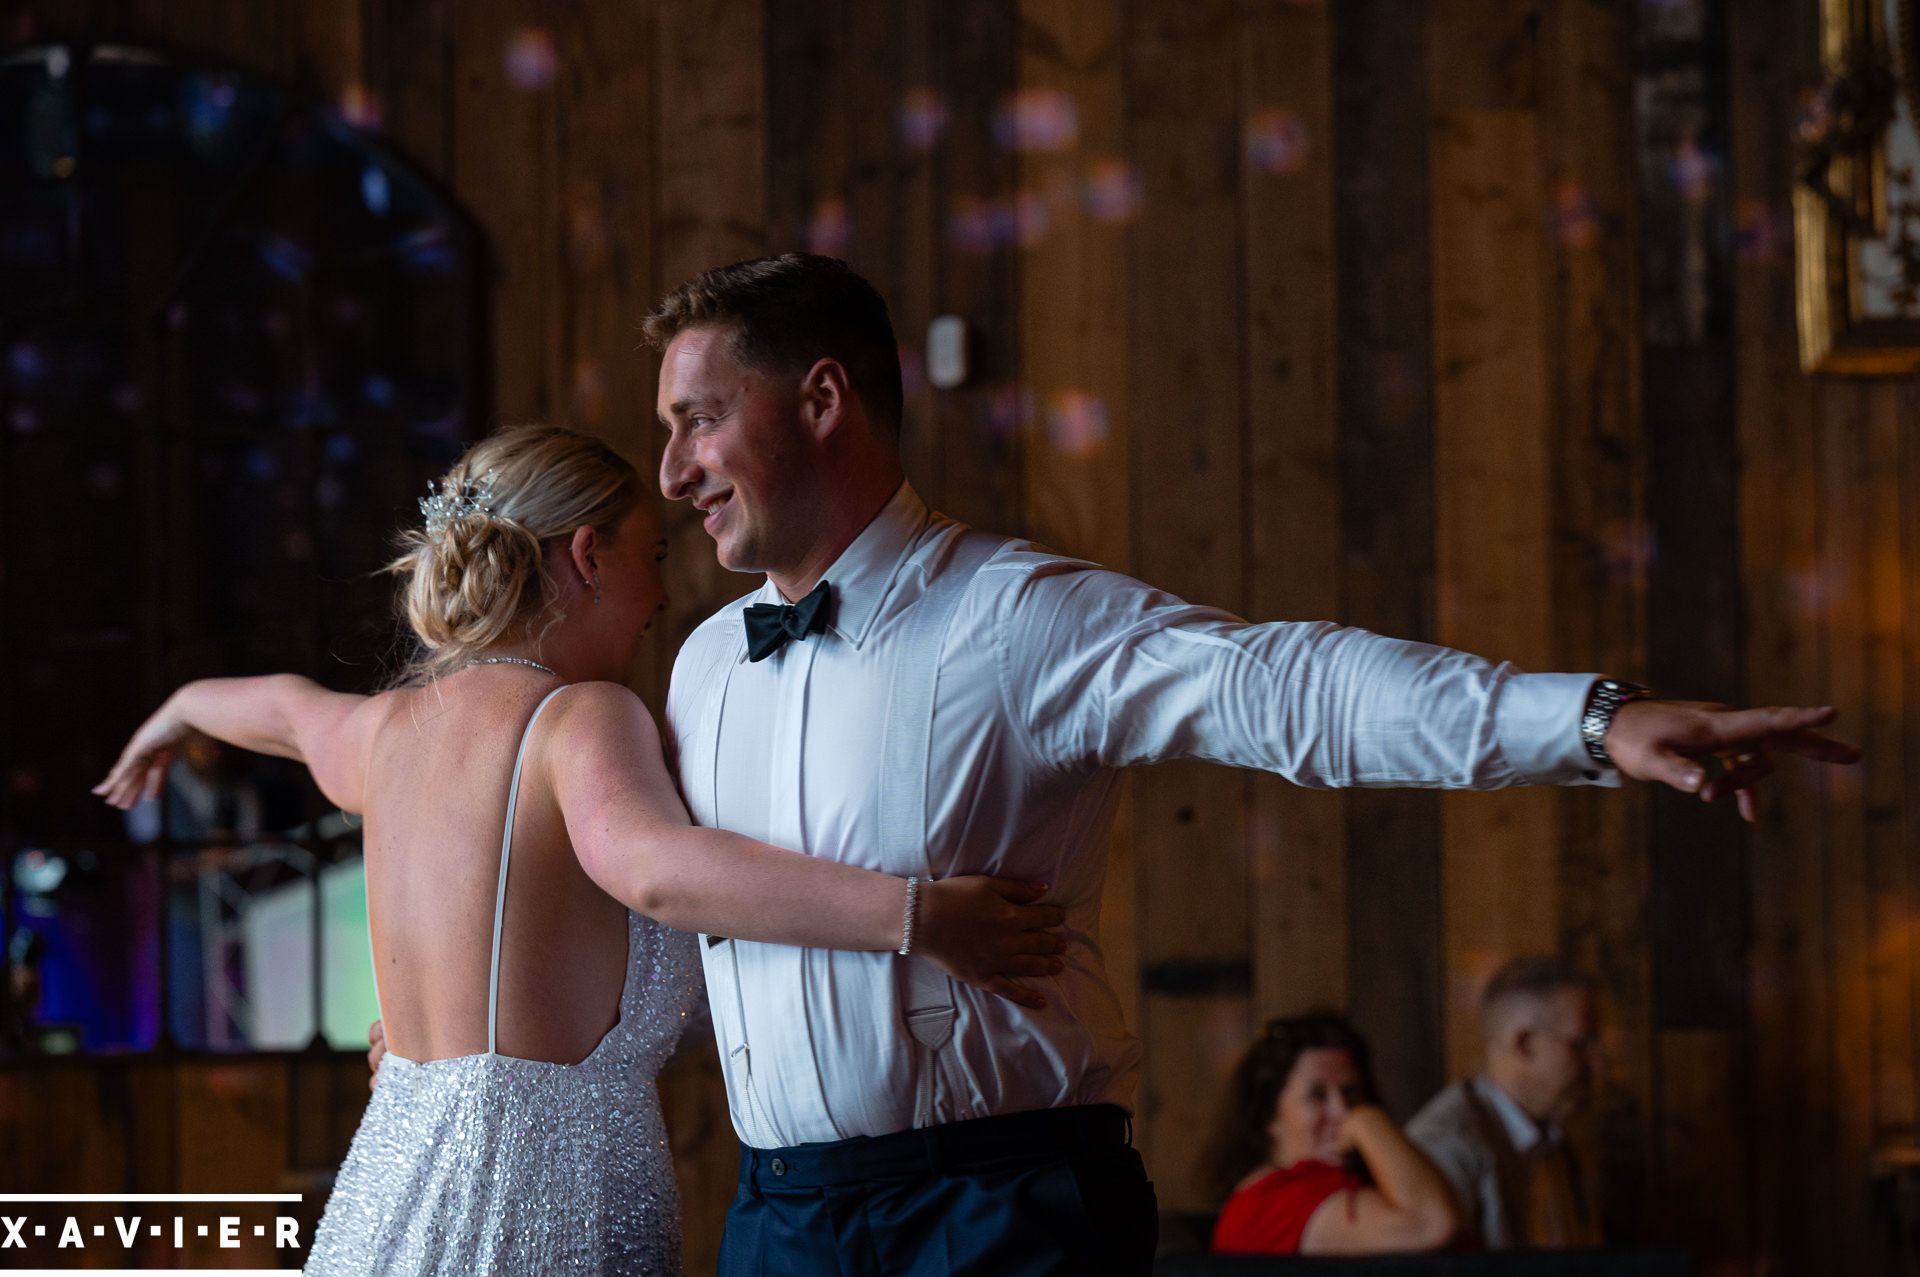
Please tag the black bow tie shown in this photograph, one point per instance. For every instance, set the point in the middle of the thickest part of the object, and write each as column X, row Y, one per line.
column 770, row 625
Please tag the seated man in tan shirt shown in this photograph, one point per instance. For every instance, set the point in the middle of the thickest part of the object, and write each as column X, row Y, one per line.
column 1497, row 1137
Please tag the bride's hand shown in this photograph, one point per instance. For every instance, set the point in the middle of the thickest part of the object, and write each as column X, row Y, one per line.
column 990, row 932
column 142, row 768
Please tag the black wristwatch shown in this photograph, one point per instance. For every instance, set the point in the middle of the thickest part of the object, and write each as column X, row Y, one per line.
column 1603, row 702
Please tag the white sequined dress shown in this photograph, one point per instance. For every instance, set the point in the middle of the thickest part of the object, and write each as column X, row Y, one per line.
column 493, row 1164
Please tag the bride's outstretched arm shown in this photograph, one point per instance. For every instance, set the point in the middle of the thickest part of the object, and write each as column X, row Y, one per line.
column 634, row 838
column 280, row 714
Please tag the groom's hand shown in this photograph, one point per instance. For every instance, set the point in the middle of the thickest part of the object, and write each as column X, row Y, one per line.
column 991, row 932
column 1675, row 742
column 376, row 1050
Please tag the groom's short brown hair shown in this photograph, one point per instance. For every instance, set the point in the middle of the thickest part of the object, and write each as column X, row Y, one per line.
column 787, row 313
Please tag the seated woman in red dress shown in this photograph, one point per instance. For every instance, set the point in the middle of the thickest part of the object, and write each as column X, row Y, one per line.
column 1314, row 1164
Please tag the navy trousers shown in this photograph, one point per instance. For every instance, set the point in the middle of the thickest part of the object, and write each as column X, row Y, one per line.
column 1055, row 1192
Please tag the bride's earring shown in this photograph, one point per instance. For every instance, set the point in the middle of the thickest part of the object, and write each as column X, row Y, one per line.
column 596, row 588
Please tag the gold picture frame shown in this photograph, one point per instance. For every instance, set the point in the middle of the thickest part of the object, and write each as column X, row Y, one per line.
column 1857, row 204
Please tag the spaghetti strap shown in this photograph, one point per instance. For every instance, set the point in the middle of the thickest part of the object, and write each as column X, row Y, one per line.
column 506, row 854
column 490, row 1163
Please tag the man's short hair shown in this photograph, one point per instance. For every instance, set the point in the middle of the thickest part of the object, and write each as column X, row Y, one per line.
column 788, row 312
column 1534, row 976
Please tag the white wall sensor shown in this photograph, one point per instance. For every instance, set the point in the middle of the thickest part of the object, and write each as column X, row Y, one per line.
column 947, row 352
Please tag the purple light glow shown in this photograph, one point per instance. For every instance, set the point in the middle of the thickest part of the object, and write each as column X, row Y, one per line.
column 532, row 62
column 1037, row 120
column 1278, row 141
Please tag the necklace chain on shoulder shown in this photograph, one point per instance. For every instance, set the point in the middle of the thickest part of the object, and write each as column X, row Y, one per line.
column 514, row 660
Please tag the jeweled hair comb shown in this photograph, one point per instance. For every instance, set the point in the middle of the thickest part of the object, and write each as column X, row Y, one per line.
column 456, row 499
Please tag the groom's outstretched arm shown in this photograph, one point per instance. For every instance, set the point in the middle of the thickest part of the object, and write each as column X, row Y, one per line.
column 1105, row 671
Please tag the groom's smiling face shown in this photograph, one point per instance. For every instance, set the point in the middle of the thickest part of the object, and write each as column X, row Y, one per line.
column 733, row 440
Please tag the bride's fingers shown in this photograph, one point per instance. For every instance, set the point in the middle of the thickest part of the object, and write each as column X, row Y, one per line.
column 1017, row 890
column 120, row 790
column 1031, row 964
column 1038, row 942
column 1015, row 993
column 112, row 787
column 1040, row 917
column 135, row 775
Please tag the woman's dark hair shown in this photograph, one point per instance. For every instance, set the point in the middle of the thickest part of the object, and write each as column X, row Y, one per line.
column 1240, row 1141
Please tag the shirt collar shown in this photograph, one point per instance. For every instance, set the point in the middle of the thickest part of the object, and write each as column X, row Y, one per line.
column 1521, row 1129
column 864, row 572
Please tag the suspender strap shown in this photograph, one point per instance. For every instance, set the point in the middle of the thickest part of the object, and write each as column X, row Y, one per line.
column 903, row 779
column 506, row 854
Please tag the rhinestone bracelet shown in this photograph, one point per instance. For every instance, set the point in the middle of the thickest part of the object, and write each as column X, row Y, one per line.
column 906, row 922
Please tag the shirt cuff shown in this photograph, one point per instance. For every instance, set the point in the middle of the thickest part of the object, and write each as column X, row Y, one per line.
column 1537, row 725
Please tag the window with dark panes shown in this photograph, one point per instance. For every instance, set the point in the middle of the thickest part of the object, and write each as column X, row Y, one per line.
column 238, row 338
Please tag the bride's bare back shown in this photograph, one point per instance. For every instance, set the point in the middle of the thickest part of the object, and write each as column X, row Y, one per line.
column 438, row 765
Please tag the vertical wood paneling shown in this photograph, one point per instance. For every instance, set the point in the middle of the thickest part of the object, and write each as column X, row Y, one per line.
column 1908, row 733
column 1073, row 348
column 1599, row 547
column 410, row 75
column 324, row 44
column 1795, row 1197
column 247, row 36
column 1886, row 710
column 710, row 136
column 877, row 186
column 1491, row 386
column 706, row 1153
column 809, row 80
column 1698, row 1109
column 976, row 471
column 604, row 224
column 1385, row 401
column 1697, row 912
column 1293, row 510
column 1182, row 120
column 891, row 219
column 34, row 21
column 1074, row 288
column 87, row 1149
column 1693, row 590
column 233, row 1130
column 154, row 1126
column 1842, row 423
column 505, row 171
column 710, row 208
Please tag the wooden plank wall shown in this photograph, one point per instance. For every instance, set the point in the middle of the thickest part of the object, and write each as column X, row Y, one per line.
column 1466, row 321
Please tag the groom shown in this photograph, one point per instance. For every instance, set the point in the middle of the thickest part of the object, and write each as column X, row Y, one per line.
column 911, row 695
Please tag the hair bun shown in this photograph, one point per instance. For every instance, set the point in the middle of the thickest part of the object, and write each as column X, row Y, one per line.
column 472, row 580
column 475, row 570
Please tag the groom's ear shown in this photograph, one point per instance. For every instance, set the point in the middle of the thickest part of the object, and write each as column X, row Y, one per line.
column 826, row 398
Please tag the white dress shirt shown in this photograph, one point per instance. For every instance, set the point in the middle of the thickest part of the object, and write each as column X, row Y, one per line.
column 1053, row 673
column 1521, row 1129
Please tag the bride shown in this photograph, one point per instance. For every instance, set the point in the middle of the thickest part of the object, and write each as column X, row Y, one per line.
column 533, row 881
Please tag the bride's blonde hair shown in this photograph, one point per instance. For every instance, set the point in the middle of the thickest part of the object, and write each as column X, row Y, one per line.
column 477, row 569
